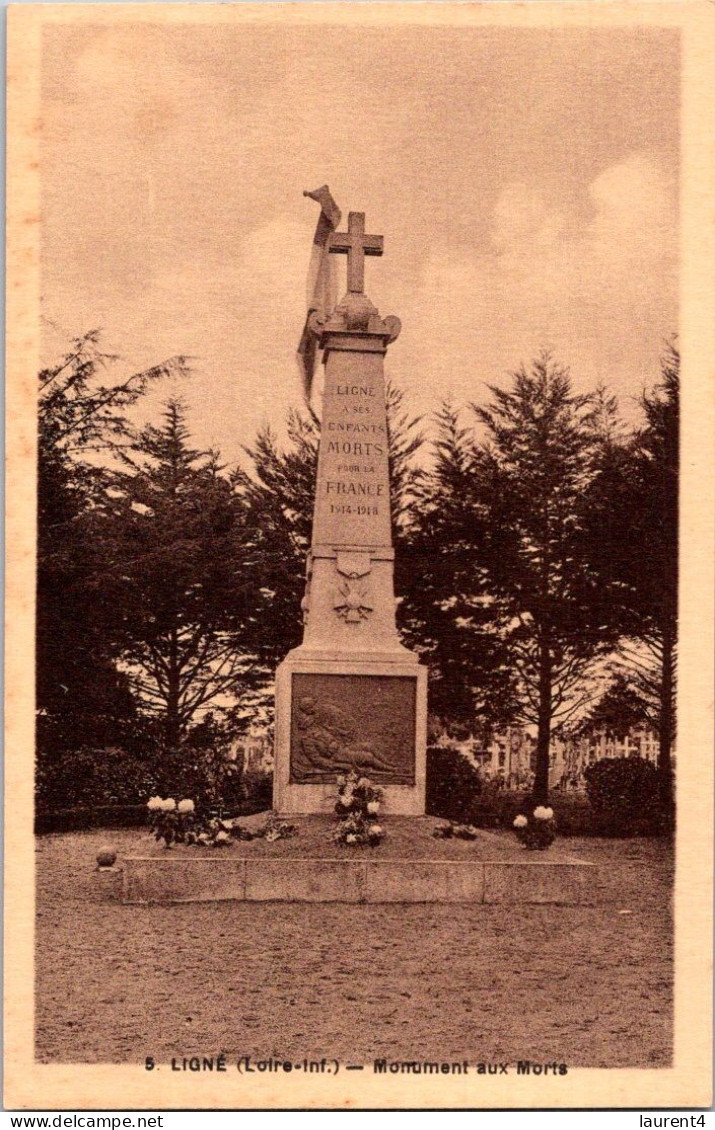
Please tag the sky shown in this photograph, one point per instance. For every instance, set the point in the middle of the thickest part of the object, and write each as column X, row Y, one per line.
column 525, row 181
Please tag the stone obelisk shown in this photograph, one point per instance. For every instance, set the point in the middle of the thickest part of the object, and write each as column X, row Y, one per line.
column 351, row 696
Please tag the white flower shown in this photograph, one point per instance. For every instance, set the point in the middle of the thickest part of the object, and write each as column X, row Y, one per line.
column 363, row 783
column 222, row 837
column 521, row 822
column 373, row 807
column 342, row 781
column 346, row 800
column 186, row 806
column 374, row 830
column 350, row 838
column 542, row 813
column 168, row 805
column 202, row 838
column 155, row 803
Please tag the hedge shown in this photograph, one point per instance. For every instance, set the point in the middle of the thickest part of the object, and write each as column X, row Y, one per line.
column 453, row 785
column 624, row 797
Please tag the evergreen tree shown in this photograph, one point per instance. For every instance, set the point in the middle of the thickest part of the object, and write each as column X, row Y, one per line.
column 446, row 609
column 657, row 584
column 82, row 699
column 639, row 547
column 181, row 583
column 620, row 710
column 535, row 479
column 277, row 495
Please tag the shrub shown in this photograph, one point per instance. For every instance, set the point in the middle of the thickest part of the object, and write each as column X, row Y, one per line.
column 573, row 814
column 535, row 828
column 83, row 819
column 623, row 796
column 453, row 785
column 206, row 776
column 92, row 778
column 498, row 808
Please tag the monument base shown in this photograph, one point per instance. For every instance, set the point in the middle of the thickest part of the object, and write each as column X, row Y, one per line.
column 409, row 866
column 334, row 715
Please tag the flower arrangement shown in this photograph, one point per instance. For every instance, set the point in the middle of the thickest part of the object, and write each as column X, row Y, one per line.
column 171, row 822
column 181, row 824
column 456, row 831
column 215, row 831
column 276, row 829
column 357, row 808
column 538, row 832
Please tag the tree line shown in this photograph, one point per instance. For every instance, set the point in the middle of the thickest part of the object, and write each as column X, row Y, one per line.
column 536, row 560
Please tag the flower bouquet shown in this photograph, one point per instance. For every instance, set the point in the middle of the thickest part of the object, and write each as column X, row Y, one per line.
column 456, row 831
column 276, row 829
column 358, row 807
column 181, row 824
column 537, row 832
column 171, row 822
column 215, row 831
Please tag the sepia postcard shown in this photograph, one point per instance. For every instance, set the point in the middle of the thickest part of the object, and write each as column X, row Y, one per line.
column 360, row 414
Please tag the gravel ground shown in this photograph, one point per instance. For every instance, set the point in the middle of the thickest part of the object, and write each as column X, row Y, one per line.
column 587, row 986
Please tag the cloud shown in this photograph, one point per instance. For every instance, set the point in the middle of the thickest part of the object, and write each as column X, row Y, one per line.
column 631, row 241
column 598, row 286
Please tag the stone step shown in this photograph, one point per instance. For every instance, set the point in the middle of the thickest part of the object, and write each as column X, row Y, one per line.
column 181, row 879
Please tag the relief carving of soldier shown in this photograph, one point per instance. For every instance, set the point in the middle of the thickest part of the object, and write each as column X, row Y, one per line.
column 326, row 743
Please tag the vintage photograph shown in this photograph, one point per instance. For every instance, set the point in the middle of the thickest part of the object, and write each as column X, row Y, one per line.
column 352, row 488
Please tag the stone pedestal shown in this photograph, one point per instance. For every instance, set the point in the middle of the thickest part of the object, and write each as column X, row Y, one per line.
column 351, row 696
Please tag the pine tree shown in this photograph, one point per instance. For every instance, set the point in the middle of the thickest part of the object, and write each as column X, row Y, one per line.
column 658, row 459
column 620, row 710
column 447, row 612
column 535, row 482
column 82, row 698
column 640, row 547
column 182, row 585
column 278, row 496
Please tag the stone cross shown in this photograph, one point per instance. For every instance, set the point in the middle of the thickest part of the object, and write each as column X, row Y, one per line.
column 356, row 245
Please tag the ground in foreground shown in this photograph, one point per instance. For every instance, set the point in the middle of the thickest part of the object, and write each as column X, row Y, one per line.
column 587, row 986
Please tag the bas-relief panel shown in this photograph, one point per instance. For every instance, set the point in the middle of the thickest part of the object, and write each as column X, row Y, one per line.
column 344, row 722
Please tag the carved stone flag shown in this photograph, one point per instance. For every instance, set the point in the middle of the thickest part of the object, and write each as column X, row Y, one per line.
column 322, row 281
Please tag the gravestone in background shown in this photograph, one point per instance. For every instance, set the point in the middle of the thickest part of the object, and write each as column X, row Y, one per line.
column 351, row 696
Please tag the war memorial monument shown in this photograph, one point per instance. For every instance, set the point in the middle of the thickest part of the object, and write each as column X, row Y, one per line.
column 351, row 696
